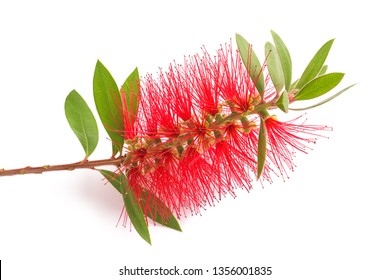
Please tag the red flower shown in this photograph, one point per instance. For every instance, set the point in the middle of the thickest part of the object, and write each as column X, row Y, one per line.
column 203, row 77
column 197, row 137
column 285, row 138
column 237, row 88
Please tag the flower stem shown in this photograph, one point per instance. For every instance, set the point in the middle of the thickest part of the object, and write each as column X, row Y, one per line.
column 70, row 166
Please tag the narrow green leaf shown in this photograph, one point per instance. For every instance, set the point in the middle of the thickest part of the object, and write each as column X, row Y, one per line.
column 251, row 63
column 136, row 216
column 158, row 211
column 319, row 86
column 274, row 66
column 323, row 101
column 315, row 64
column 117, row 180
column 82, row 122
column 131, row 91
column 108, row 104
column 283, row 102
column 133, row 208
column 155, row 205
column 285, row 59
column 261, row 149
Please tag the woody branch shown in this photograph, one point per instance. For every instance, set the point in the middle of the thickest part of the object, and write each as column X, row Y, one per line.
column 84, row 164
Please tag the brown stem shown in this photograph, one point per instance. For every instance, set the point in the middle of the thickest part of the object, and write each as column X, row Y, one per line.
column 70, row 166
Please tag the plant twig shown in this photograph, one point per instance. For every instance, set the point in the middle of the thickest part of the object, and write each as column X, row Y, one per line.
column 60, row 167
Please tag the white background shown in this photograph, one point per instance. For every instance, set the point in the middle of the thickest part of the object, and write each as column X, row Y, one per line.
column 328, row 221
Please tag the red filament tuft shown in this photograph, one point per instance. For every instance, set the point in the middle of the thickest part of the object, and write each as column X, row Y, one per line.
column 285, row 138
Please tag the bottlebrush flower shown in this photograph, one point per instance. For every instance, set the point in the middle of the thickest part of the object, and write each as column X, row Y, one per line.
column 198, row 133
column 198, row 130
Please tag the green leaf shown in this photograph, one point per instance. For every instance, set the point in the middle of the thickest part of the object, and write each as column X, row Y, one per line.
column 283, row 102
column 113, row 178
column 133, row 208
column 156, row 206
column 82, row 122
column 261, row 148
column 274, row 66
column 285, row 59
column 158, row 211
column 319, row 86
column 136, row 216
column 131, row 90
column 251, row 63
column 324, row 101
column 108, row 104
column 315, row 64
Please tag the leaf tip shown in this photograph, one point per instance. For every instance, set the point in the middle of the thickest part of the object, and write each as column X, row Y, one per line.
column 149, row 241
